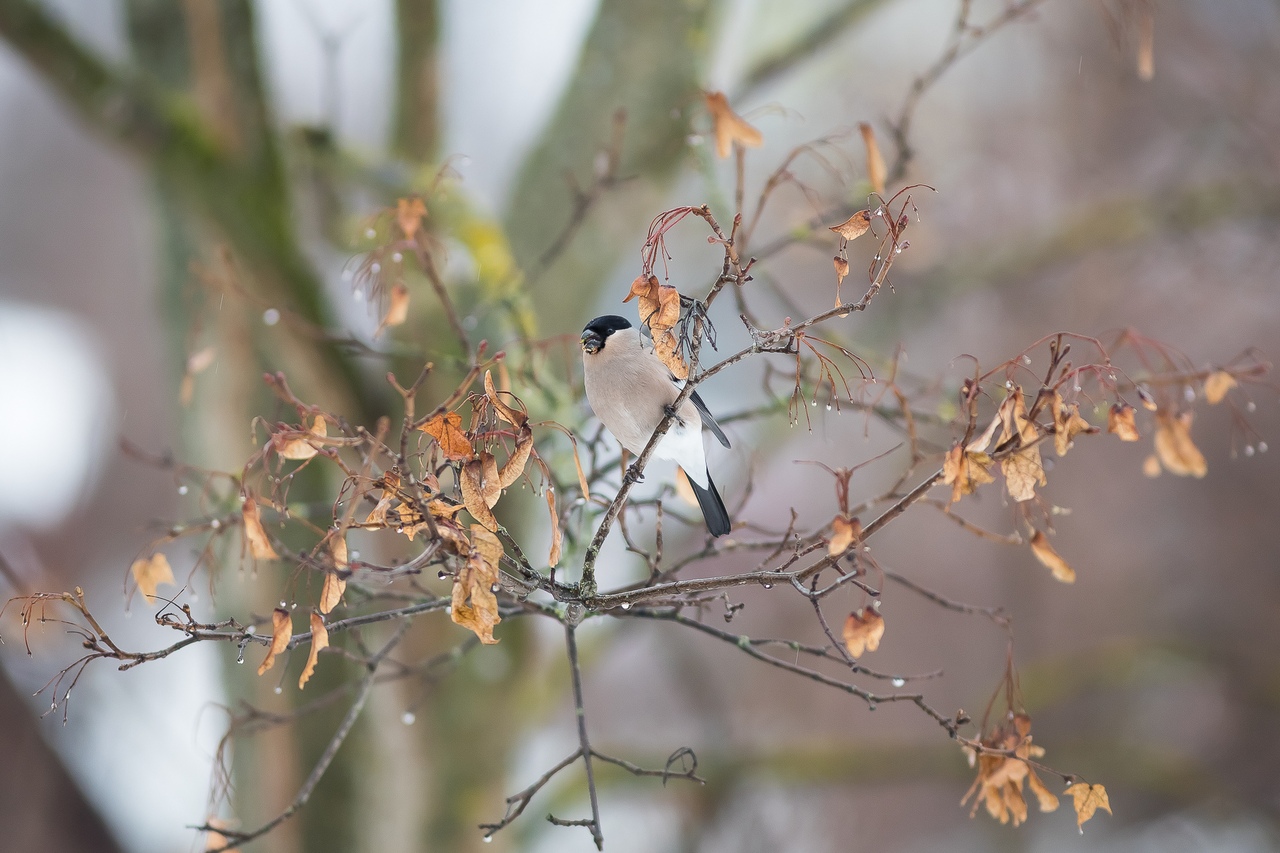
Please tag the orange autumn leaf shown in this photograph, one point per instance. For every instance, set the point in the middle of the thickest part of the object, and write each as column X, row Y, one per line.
column 409, row 215
column 844, row 532
column 331, row 592
column 1217, row 386
column 281, row 632
column 862, row 631
column 397, row 308
column 1087, row 800
column 1050, row 558
column 390, row 488
column 254, row 533
column 150, row 572
column 1120, row 421
column 853, row 227
column 1178, row 453
column 877, row 172
column 556, row 534
column 728, row 127
column 474, row 603
column 304, row 446
column 446, row 429
column 659, row 304
column 319, row 641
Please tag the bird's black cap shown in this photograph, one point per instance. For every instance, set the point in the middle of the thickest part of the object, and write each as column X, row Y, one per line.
column 599, row 329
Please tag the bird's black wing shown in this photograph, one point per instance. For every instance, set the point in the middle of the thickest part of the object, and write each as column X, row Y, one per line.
column 708, row 421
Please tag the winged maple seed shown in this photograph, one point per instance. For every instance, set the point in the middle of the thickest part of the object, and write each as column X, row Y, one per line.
column 319, row 642
column 845, row 531
column 728, row 127
column 876, row 170
column 150, row 572
column 475, row 603
column 281, row 632
column 1178, row 453
column 999, row 785
column 1050, row 558
column 254, row 533
column 1121, row 422
column 1067, row 424
column 862, row 631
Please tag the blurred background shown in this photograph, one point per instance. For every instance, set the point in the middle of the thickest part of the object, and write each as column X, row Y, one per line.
column 147, row 144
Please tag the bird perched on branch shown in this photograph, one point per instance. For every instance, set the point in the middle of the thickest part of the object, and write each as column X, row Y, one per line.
column 631, row 391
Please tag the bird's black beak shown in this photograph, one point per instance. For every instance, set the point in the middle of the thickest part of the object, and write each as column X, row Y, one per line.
column 591, row 342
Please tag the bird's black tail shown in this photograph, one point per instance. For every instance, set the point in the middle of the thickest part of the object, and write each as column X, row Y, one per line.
column 713, row 510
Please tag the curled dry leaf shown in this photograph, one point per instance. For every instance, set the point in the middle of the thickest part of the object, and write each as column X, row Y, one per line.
column 254, row 533
column 281, row 632
column 876, row 170
column 1177, row 452
column 1000, row 779
column 556, row 535
column 491, row 481
column 582, row 478
column 518, row 459
column 862, row 631
column 516, row 418
column 1120, row 421
column 1217, row 386
column 1050, row 558
column 1087, row 800
column 728, row 127
column 304, row 446
column 378, row 515
column 474, row 604
column 1047, row 800
column 409, row 215
column 667, row 348
column 331, row 592
column 1067, row 424
column 853, row 227
column 1023, row 471
column 964, row 470
column 471, row 482
column 446, row 429
column 842, row 271
column 150, row 572
column 845, row 531
column 319, row 641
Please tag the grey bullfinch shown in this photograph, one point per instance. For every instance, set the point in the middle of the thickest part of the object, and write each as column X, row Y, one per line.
column 630, row 390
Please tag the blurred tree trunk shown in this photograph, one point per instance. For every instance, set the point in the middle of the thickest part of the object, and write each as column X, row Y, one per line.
column 647, row 59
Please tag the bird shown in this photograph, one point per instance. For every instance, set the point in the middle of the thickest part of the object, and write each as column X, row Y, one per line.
column 631, row 391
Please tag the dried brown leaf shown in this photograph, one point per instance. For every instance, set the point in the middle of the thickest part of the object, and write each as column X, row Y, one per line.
column 845, row 531
column 1023, row 470
column 1087, row 800
column 853, row 227
column 965, row 470
column 514, row 467
column 305, row 445
column 331, row 592
column 254, row 533
column 728, row 127
column 877, row 172
column 150, row 572
column 667, row 348
column 1050, row 558
column 475, row 604
column 515, row 418
column 281, row 632
column 471, row 481
column 1047, row 799
column 397, row 308
column 862, row 631
column 446, row 429
column 556, row 533
column 1217, row 386
column 319, row 641
column 1067, row 424
column 1177, row 452
column 1120, row 421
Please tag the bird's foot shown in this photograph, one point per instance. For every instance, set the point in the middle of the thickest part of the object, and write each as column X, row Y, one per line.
column 634, row 475
column 671, row 412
